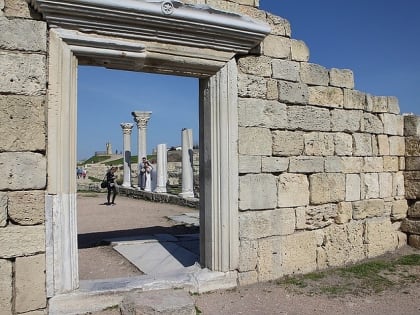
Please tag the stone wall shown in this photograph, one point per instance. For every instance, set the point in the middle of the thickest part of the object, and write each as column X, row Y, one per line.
column 23, row 56
column 411, row 225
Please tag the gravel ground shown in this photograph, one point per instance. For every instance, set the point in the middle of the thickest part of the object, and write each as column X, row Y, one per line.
column 128, row 217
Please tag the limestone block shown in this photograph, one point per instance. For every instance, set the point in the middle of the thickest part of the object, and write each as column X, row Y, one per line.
column 259, row 224
column 19, row 8
column 6, row 286
column 287, row 143
column 274, row 164
column 283, row 255
column 248, row 251
column 306, row 164
column 300, row 51
column 257, row 191
column 313, row 74
column 326, row 96
column 318, row 217
column 19, row 74
column 21, row 241
column 319, row 143
column 346, row 120
column 252, row 86
column 370, row 186
column 344, row 213
column 293, row 190
column 393, row 124
column 300, row 218
column 411, row 226
column 383, row 144
column 393, row 105
column 247, row 278
column 388, row 203
column 354, row 99
column 391, row 164
column 353, row 187
column 362, row 144
column 261, row 113
column 412, row 126
column 327, row 188
column 279, row 26
column 27, row 207
column 277, row 46
column 372, row 164
column 308, row 118
column 396, row 145
column 414, row 210
column 412, row 146
column 345, row 165
column 372, row 124
column 343, row 144
column 399, row 209
column 344, row 244
column 412, row 184
column 18, row 115
column 255, row 65
column 414, row 241
column 246, row 2
column 23, row 34
column 412, row 163
column 249, row 164
column 401, row 163
column 291, row 92
column 1, row 7
column 398, row 184
column 3, row 208
column 368, row 208
column 255, row 141
column 30, row 283
column 286, row 70
column 342, row 78
column 380, row 237
column 272, row 90
column 377, row 104
column 25, row 170
column 385, row 185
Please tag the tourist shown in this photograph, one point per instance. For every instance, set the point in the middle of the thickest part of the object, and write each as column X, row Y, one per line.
column 145, row 174
column 111, row 186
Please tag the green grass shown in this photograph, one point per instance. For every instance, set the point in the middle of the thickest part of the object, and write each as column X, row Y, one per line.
column 96, row 159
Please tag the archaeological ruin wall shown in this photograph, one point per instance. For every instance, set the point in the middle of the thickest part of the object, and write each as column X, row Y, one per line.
column 320, row 165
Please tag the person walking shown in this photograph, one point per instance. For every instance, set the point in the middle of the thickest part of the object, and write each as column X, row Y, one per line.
column 111, row 186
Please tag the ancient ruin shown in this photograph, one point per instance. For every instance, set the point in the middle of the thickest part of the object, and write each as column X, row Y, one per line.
column 299, row 171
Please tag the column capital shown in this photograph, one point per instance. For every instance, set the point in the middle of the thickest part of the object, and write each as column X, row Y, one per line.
column 126, row 127
column 141, row 118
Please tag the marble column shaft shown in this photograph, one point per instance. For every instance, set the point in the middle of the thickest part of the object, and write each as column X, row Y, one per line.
column 187, row 164
column 162, row 168
column 141, row 118
column 127, row 127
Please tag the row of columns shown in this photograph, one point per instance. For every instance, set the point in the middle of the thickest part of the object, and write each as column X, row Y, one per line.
column 142, row 119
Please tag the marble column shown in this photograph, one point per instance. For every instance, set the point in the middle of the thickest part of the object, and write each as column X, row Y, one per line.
column 161, row 168
column 187, row 164
column 127, row 127
column 141, row 119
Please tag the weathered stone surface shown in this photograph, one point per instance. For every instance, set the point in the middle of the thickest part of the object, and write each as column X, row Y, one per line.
column 254, row 225
column 255, row 141
column 300, row 51
column 343, row 144
column 27, row 207
column 345, row 165
column 352, row 187
column 342, row 78
column 30, row 283
column 319, row 144
column 393, row 124
column 3, row 208
column 23, row 34
column 257, row 191
column 327, row 188
column 393, row 105
column 248, row 252
column 277, row 46
column 372, row 124
column 18, row 8
column 22, row 123
column 385, row 185
column 24, row 170
column 293, row 190
column 318, row 217
column 306, row 164
column 326, row 96
column 272, row 90
column 19, row 76
column 255, row 65
column 291, row 92
column 414, row 210
column 376, row 104
column 249, row 164
column 286, row 70
column 6, row 286
column 412, row 126
column 287, row 143
column 399, row 209
column 411, row 226
column 372, row 164
column 370, row 186
column 414, row 241
column 279, row 26
column 1, row 7
column 346, row 120
column 252, row 86
column 308, row 118
column 18, row 241
column 344, row 213
column 362, row 144
column 398, row 185
column 380, row 237
column 396, row 146
column 383, row 144
column 368, row 208
column 247, row 278
column 261, row 113
column 313, row 74
column 412, row 146
column 354, row 99
column 274, row 164
column 391, row 164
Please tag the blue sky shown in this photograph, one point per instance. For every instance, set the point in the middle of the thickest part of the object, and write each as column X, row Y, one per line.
column 377, row 39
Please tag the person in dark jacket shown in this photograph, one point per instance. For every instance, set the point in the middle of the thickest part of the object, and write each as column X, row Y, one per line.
column 111, row 186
